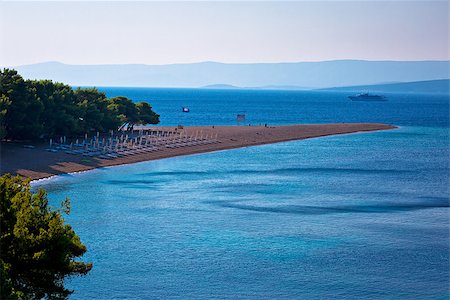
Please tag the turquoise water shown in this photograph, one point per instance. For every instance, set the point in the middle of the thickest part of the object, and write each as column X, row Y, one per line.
column 355, row 216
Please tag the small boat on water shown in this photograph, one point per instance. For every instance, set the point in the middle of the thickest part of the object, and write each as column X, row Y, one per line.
column 185, row 109
column 367, row 97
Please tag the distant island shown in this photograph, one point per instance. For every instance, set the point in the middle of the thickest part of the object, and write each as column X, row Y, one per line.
column 292, row 75
column 266, row 87
column 441, row 86
column 221, row 87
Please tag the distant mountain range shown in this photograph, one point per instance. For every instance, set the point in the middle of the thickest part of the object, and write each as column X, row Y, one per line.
column 326, row 74
column 266, row 87
column 441, row 86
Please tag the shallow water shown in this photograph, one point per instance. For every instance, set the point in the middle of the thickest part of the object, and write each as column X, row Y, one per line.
column 354, row 216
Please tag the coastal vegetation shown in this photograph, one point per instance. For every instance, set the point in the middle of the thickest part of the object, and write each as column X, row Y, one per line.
column 36, row 109
column 37, row 248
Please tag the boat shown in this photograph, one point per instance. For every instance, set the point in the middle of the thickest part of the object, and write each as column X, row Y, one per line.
column 367, row 97
column 185, row 109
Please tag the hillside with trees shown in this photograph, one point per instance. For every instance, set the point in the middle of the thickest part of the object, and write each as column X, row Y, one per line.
column 37, row 109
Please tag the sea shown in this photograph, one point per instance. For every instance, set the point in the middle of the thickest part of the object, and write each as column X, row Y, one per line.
column 356, row 216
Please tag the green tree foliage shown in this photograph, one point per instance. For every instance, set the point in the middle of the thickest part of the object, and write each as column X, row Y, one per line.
column 4, row 105
column 128, row 111
column 125, row 109
column 94, row 113
column 145, row 114
column 32, row 109
column 58, row 100
column 22, row 113
column 37, row 248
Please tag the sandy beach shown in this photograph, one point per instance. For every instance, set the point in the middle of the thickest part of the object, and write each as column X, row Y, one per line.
column 38, row 163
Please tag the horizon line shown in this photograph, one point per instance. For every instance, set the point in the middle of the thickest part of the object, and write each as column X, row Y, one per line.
column 263, row 87
column 224, row 63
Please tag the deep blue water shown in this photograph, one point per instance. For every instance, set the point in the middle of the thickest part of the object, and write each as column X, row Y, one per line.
column 359, row 216
column 286, row 107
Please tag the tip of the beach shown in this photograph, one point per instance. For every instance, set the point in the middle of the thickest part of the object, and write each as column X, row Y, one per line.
column 157, row 142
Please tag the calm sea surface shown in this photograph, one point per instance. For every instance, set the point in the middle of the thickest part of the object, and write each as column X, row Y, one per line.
column 359, row 216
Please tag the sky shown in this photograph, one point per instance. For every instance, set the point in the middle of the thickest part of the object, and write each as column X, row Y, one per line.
column 231, row 32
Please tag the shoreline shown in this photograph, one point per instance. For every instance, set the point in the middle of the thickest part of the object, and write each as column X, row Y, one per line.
column 39, row 164
column 191, row 154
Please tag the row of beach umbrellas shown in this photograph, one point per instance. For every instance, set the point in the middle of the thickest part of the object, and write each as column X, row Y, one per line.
column 128, row 144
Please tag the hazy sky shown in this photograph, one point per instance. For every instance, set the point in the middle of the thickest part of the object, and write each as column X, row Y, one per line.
column 241, row 32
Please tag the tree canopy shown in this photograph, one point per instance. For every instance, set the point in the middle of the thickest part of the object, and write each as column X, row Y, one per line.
column 33, row 109
column 37, row 247
column 145, row 114
column 124, row 108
